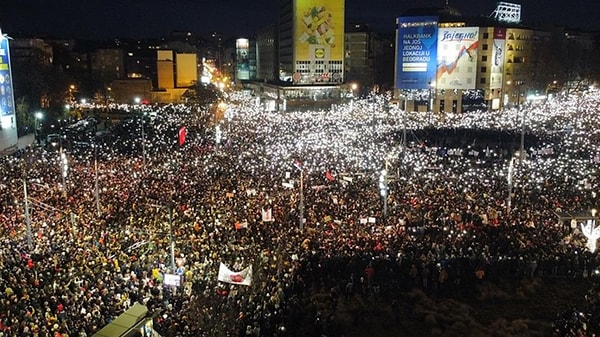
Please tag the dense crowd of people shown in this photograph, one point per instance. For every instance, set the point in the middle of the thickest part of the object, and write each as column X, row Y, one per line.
column 462, row 207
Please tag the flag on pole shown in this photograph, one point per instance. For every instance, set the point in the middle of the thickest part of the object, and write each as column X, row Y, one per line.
column 243, row 277
column 298, row 164
column 329, row 176
column 182, row 133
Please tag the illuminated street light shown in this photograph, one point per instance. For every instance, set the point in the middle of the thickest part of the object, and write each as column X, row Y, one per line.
column 64, row 166
column 37, row 132
column 383, row 190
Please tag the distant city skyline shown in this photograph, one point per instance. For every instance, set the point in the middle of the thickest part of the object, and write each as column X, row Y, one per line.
column 105, row 19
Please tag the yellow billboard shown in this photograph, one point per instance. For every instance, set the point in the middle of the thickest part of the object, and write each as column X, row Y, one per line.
column 319, row 30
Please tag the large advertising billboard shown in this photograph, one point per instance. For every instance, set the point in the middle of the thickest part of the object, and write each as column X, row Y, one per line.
column 8, row 124
column 497, row 71
column 242, row 48
column 417, row 49
column 457, row 58
column 319, row 38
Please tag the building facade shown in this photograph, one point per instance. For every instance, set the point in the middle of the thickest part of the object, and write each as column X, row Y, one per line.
column 445, row 63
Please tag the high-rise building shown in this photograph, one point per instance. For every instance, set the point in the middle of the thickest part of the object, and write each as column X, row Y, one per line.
column 447, row 63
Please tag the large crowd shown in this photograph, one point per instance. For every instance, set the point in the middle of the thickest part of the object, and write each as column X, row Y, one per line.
column 461, row 207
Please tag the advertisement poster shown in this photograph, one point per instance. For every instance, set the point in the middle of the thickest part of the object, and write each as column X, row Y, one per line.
column 319, row 29
column 8, row 126
column 242, row 48
column 497, row 70
column 416, row 55
column 457, row 58
column 319, row 38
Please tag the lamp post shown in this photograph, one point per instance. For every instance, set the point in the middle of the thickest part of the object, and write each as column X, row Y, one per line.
column 27, row 217
column 171, row 241
column 301, row 202
column 510, row 176
column 169, row 207
column 431, row 95
column 299, row 166
column 522, row 114
column 37, row 119
column 383, row 190
column 143, row 146
column 64, row 169
column 96, row 190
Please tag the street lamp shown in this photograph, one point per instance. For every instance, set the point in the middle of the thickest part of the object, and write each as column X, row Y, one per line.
column 96, row 190
column 64, row 168
column 431, row 95
column 169, row 207
column 522, row 113
column 299, row 166
column 37, row 118
column 383, row 190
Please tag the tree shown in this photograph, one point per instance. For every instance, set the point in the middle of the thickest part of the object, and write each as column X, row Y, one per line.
column 24, row 116
column 203, row 94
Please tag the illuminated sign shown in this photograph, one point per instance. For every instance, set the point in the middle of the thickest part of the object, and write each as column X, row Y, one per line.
column 417, row 50
column 8, row 124
column 319, row 40
column 242, row 47
column 457, row 58
column 6, row 89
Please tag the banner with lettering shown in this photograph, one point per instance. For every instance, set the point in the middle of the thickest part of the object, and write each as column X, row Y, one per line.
column 457, row 58
column 417, row 50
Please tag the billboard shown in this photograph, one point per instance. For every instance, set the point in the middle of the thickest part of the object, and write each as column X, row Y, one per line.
column 8, row 124
column 497, row 69
column 242, row 48
column 457, row 58
column 318, row 40
column 416, row 54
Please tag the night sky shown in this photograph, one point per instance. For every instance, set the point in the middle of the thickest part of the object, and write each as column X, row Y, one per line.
column 105, row 19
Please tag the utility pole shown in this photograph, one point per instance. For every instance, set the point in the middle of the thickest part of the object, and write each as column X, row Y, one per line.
column 383, row 190
column 96, row 190
column 171, row 241
column 301, row 206
column 143, row 147
column 27, row 217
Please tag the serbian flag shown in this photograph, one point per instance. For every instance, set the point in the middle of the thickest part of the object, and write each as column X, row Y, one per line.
column 298, row 164
column 243, row 277
column 329, row 176
column 182, row 133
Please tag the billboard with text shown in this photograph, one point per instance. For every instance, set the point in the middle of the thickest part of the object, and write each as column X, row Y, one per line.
column 8, row 124
column 457, row 58
column 416, row 54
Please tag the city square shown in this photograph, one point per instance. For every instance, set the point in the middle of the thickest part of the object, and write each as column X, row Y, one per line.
column 447, row 212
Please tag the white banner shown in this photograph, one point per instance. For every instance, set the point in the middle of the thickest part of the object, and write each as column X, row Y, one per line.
column 243, row 277
column 267, row 215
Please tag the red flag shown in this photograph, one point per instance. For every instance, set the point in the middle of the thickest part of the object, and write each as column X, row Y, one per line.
column 328, row 176
column 182, row 133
